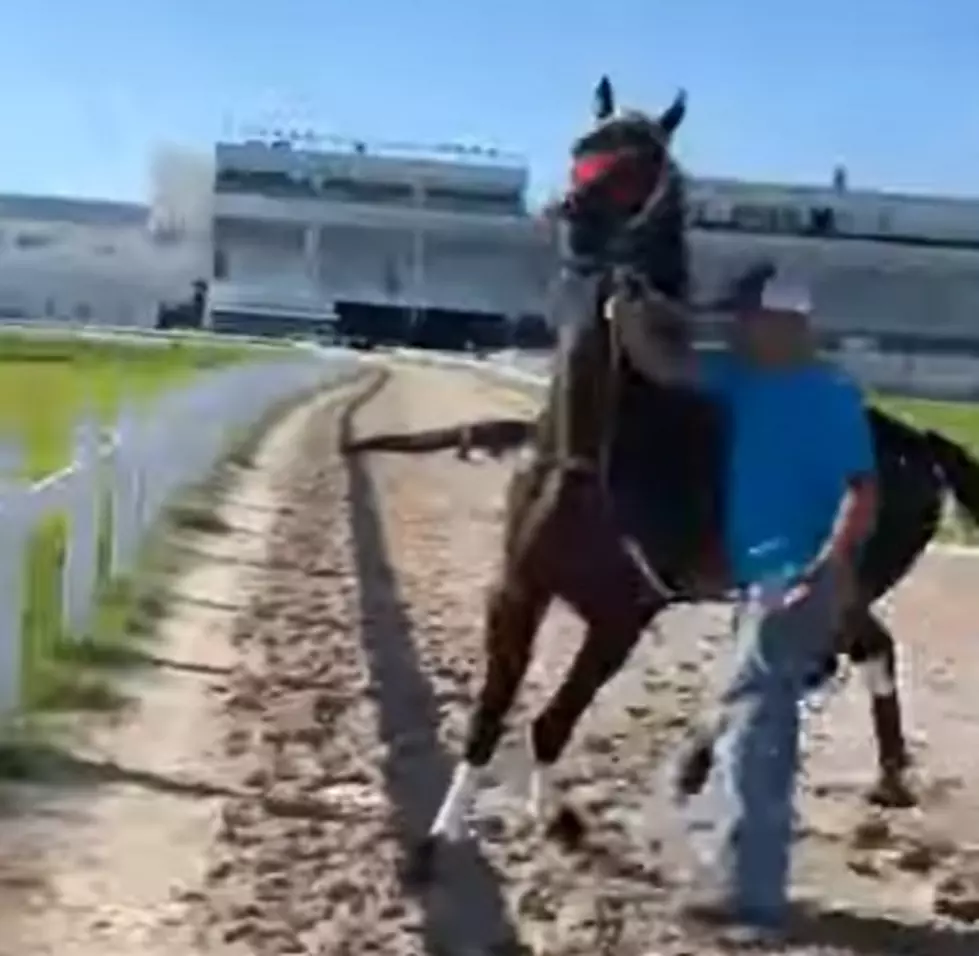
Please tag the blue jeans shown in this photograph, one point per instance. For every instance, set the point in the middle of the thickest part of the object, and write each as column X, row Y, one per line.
column 752, row 782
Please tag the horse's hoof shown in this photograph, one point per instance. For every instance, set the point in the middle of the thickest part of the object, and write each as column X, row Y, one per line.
column 419, row 868
column 692, row 770
column 892, row 791
column 567, row 828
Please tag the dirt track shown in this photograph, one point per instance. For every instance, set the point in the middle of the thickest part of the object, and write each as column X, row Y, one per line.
column 352, row 671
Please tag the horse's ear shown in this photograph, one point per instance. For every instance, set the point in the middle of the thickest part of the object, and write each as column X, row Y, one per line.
column 673, row 115
column 604, row 99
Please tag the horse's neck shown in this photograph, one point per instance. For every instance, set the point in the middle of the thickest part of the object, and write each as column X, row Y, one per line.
column 575, row 411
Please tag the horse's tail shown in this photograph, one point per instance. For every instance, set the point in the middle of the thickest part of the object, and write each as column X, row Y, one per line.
column 960, row 470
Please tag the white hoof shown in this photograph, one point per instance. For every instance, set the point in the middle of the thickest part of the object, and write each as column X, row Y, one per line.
column 451, row 820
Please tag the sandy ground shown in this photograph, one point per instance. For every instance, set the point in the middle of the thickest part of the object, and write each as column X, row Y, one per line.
column 107, row 858
column 328, row 735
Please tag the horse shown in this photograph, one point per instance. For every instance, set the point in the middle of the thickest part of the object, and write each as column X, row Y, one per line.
column 572, row 529
column 563, row 537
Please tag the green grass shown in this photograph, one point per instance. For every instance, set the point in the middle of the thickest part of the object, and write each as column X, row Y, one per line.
column 68, row 673
column 956, row 420
column 45, row 384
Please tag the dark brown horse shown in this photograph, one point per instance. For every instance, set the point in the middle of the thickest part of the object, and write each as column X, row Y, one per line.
column 615, row 513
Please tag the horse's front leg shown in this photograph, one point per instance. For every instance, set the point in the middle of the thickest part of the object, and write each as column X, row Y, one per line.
column 608, row 642
column 513, row 615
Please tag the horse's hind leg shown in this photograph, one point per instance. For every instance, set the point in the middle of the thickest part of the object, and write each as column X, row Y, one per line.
column 871, row 647
column 513, row 616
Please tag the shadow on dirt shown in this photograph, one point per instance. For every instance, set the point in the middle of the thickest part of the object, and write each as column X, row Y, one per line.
column 466, row 910
column 48, row 765
column 495, row 436
column 877, row 935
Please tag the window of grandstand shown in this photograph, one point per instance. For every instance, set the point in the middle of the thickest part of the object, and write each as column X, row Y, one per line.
column 822, row 221
column 220, row 264
column 33, row 240
column 264, row 183
column 754, row 218
column 472, row 200
column 302, row 185
column 760, row 217
column 347, row 190
column 166, row 233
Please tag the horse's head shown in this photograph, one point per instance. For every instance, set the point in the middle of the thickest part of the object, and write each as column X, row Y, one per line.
column 625, row 226
column 624, row 209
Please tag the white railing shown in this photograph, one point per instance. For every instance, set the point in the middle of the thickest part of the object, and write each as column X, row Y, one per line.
column 136, row 466
column 938, row 377
column 137, row 335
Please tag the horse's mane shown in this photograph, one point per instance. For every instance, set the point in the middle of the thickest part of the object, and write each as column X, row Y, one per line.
column 662, row 251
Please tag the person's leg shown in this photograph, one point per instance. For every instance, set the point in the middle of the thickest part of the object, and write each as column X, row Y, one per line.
column 751, row 786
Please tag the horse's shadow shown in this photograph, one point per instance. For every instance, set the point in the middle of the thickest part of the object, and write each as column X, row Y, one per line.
column 814, row 926
column 467, row 908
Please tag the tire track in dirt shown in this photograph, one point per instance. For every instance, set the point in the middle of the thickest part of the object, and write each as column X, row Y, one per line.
column 358, row 664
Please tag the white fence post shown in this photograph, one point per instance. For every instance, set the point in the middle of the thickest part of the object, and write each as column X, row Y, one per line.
column 82, row 546
column 127, row 492
column 14, row 523
column 153, row 453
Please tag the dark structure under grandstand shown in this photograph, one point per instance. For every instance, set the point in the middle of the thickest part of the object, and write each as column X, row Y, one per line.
column 188, row 314
column 444, row 329
column 272, row 323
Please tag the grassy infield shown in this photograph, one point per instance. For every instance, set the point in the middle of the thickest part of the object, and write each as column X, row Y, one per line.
column 44, row 384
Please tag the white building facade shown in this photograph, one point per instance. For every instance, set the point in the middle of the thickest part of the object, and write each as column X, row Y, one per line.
column 388, row 237
column 400, row 238
column 879, row 264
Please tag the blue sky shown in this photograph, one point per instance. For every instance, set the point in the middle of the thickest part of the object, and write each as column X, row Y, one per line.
column 778, row 89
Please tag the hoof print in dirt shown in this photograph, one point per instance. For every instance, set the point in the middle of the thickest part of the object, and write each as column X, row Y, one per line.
column 893, row 793
column 864, row 865
column 693, row 769
column 957, row 897
column 926, row 856
column 872, row 834
column 567, row 828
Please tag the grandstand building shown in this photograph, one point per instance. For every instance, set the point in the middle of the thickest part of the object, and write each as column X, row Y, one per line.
column 900, row 270
column 401, row 243
column 87, row 261
column 437, row 245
